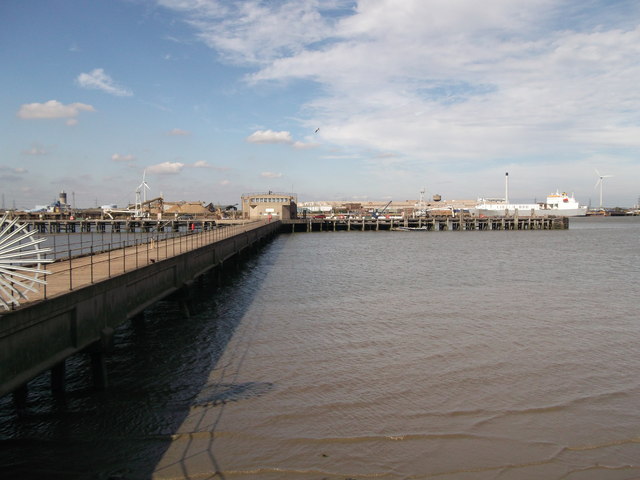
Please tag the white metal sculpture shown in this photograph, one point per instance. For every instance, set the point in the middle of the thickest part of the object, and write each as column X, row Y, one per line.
column 21, row 261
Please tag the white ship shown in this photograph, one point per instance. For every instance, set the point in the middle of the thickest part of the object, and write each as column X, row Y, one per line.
column 559, row 204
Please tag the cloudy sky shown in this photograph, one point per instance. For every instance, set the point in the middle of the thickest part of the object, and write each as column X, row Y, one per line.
column 330, row 99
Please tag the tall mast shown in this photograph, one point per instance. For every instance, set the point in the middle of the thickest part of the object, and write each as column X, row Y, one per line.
column 506, row 187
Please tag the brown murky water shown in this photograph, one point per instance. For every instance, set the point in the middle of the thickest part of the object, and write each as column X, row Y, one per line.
column 386, row 355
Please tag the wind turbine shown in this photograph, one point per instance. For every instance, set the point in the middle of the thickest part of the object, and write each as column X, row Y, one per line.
column 141, row 190
column 600, row 182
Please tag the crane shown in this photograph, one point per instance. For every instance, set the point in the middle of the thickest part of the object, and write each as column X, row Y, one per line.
column 376, row 213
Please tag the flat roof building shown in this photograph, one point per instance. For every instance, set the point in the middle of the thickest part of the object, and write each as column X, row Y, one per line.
column 271, row 205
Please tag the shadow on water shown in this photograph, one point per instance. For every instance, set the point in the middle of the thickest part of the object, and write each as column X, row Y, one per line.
column 158, row 372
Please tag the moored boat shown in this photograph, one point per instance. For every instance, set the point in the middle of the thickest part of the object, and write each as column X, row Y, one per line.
column 558, row 204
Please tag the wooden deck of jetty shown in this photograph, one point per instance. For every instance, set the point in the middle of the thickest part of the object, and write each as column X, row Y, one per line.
column 73, row 273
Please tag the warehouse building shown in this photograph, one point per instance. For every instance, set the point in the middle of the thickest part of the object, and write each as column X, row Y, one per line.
column 271, row 205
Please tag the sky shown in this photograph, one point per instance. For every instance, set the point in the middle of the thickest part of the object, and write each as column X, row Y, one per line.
column 327, row 99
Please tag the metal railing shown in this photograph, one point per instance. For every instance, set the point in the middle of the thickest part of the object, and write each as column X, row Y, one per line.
column 85, row 258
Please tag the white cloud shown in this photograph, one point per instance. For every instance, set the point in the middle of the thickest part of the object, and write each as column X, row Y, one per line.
column 35, row 150
column 254, row 31
column 423, row 76
column 98, row 80
column 224, row 183
column 449, row 84
column 178, row 132
column 118, row 157
column 17, row 170
column 202, row 164
column 464, row 90
column 303, row 146
column 282, row 137
column 270, row 175
column 53, row 109
column 269, row 136
column 166, row 168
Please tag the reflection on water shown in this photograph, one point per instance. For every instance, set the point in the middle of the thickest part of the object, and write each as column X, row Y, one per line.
column 220, row 393
column 448, row 355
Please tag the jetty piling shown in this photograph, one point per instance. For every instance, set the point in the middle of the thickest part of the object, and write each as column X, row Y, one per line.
column 431, row 224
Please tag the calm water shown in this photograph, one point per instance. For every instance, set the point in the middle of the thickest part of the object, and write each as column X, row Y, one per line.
column 368, row 355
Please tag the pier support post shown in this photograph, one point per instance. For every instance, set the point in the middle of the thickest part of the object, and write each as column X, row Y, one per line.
column 99, row 370
column 20, row 397
column 184, row 308
column 218, row 275
column 97, row 352
column 58, row 378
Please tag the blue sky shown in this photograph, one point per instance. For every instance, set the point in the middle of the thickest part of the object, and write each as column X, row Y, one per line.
column 218, row 98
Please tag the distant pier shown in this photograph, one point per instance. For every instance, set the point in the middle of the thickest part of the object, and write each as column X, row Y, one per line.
column 431, row 224
column 309, row 224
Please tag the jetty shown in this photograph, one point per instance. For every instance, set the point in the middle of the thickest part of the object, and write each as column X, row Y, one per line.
column 431, row 224
column 106, row 272
column 88, row 295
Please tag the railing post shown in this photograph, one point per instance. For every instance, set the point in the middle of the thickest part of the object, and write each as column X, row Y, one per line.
column 91, row 256
column 70, row 270
column 45, row 277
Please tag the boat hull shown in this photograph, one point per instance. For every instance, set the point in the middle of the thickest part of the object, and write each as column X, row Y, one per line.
column 528, row 212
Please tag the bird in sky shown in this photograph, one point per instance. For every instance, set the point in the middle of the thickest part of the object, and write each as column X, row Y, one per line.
column 317, row 130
